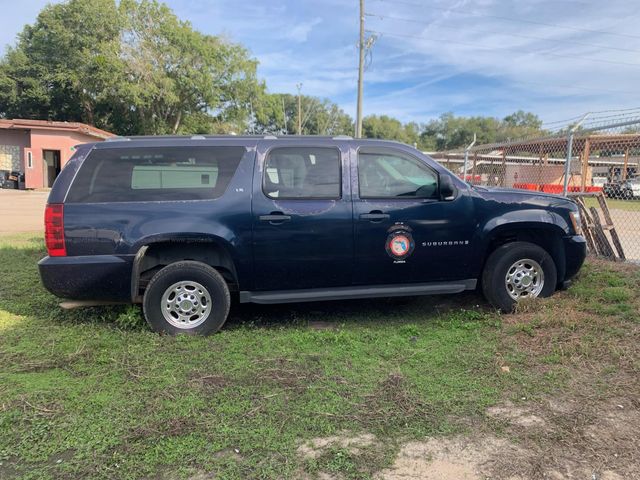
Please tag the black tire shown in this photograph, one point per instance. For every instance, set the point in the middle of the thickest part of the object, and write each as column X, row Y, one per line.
column 192, row 273
column 494, row 286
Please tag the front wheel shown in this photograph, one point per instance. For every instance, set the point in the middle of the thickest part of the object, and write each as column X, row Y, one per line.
column 186, row 297
column 516, row 271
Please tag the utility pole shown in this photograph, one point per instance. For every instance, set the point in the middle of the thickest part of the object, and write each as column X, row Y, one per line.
column 299, row 87
column 361, row 48
column 284, row 115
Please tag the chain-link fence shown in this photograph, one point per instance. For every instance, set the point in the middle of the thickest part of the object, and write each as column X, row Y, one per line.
column 596, row 163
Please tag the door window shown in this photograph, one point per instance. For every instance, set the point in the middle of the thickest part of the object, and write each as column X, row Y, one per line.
column 393, row 175
column 302, row 173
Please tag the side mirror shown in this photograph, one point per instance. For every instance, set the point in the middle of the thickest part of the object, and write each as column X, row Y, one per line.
column 447, row 188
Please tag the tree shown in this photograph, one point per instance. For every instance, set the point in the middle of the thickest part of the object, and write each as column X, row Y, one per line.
column 133, row 69
column 63, row 64
column 451, row 132
column 390, row 128
column 520, row 124
column 278, row 114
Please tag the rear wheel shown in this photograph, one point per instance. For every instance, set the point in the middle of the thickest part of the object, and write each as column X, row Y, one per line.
column 516, row 271
column 186, row 297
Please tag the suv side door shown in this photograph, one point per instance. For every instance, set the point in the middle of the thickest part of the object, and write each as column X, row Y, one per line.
column 404, row 231
column 302, row 215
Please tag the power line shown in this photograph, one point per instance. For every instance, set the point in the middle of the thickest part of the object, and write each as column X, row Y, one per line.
column 547, row 39
column 510, row 19
column 484, row 47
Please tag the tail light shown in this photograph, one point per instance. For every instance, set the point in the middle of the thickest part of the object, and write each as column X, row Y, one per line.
column 54, row 230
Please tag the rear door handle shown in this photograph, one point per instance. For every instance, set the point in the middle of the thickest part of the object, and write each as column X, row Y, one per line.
column 374, row 216
column 275, row 218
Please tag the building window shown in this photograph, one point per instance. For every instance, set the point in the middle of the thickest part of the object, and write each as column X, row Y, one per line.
column 29, row 160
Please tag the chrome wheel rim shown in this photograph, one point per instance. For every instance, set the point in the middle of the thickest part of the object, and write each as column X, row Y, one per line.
column 186, row 304
column 524, row 279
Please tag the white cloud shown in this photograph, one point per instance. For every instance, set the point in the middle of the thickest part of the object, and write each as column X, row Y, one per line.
column 459, row 56
column 516, row 65
column 300, row 32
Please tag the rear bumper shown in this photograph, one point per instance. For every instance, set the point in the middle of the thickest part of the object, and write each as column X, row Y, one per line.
column 95, row 277
column 575, row 251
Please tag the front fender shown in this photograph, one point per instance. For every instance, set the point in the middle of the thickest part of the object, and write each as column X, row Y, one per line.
column 528, row 222
column 532, row 218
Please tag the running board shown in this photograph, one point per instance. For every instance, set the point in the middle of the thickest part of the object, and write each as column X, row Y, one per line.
column 345, row 293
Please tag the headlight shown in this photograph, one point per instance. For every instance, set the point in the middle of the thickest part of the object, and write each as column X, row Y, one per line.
column 576, row 221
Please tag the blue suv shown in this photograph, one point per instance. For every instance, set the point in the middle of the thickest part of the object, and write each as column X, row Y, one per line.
column 180, row 224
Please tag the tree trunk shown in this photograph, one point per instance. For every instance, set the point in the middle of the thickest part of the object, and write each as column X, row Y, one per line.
column 176, row 124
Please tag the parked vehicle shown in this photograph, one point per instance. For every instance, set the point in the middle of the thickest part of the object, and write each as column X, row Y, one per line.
column 180, row 224
column 624, row 190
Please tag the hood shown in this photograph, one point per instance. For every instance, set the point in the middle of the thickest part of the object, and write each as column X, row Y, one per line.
column 517, row 194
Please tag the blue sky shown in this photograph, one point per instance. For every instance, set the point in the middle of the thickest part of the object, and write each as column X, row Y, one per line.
column 484, row 57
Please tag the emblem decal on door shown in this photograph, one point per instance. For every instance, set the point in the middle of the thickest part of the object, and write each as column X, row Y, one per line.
column 399, row 245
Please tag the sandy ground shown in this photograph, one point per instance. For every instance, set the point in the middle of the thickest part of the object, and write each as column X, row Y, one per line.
column 22, row 211
column 554, row 440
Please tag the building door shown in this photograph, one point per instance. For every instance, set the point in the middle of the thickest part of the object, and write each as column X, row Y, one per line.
column 51, row 166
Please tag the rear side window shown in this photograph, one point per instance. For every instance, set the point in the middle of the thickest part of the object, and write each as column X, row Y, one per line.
column 155, row 174
column 302, row 173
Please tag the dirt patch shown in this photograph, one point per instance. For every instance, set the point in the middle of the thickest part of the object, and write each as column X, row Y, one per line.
column 353, row 444
column 514, row 415
column 573, row 437
column 559, row 439
column 457, row 458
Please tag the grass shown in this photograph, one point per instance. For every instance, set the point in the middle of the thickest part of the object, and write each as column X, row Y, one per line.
column 94, row 394
column 617, row 204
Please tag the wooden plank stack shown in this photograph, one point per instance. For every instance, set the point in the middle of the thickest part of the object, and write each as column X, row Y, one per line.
column 594, row 227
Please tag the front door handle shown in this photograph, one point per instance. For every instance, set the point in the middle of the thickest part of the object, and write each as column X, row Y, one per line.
column 374, row 216
column 275, row 218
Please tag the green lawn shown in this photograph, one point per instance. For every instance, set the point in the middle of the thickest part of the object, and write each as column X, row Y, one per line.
column 94, row 394
column 629, row 205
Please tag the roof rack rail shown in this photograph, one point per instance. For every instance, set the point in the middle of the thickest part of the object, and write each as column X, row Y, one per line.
column 270, row 137
column 342, row 137
column 117, row 139
column 198, row 137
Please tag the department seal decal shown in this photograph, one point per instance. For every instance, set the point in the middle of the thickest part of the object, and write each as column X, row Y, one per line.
column 399, row 244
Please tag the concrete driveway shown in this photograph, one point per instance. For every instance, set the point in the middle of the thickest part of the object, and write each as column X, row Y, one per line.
column 22, row 211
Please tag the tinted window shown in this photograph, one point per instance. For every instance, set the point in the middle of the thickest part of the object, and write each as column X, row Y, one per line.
column 302, row 173
column 389, row 175
column 152, row 174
